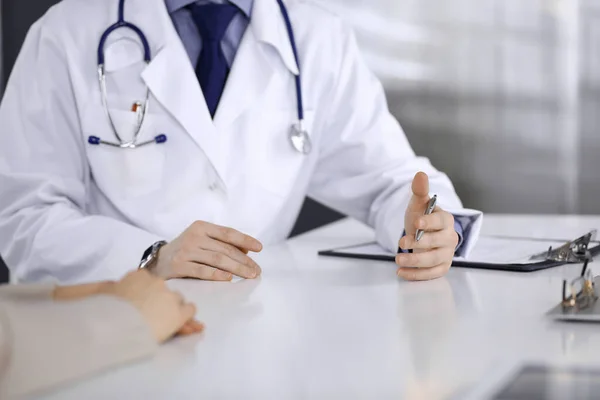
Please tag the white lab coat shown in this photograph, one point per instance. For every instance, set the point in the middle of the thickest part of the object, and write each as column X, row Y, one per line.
column 76, row 212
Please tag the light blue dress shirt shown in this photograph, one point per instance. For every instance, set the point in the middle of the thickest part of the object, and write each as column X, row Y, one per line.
column 188, row 32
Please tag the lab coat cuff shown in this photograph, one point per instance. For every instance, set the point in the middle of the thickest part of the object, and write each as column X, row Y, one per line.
column 467, row 224
column 127, row 257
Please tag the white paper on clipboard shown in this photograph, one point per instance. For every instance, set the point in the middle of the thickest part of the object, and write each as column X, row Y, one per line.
column 489, row 249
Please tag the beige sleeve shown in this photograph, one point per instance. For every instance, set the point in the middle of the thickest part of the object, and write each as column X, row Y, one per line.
column 44, row 344
column 26, row 292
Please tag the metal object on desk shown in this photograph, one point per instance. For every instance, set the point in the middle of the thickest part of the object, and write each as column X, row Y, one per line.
column 574, row 251
column 581, row 291
column 579, row 298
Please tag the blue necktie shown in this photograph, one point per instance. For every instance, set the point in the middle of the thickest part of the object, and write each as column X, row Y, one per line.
column 212, row 70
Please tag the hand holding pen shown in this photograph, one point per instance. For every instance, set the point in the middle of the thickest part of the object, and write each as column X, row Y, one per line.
column 430, row 207
column 429, row 232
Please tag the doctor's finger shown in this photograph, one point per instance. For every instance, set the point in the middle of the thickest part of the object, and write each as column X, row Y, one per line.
column 221, row 261
column 233, row 237
column 202, row 272
column 230, row 251
column 427, row 259
column 430, row 240
column 423, row 274
column 436, row 221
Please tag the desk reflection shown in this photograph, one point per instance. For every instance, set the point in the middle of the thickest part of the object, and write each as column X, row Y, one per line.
column 430, row 313
column 229, row 301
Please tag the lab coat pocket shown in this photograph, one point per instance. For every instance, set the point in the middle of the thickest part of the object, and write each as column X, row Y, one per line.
column 125, row 173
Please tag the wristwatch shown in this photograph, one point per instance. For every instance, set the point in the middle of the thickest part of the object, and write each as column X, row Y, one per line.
column 151, row 255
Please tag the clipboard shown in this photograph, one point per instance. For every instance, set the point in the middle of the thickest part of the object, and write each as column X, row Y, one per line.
column 529, row 256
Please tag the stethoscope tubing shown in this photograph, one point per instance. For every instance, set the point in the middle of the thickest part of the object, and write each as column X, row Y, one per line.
column 302, row 145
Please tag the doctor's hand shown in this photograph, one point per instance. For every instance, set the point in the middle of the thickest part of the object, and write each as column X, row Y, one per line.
column 209, row 252
column 432, row 255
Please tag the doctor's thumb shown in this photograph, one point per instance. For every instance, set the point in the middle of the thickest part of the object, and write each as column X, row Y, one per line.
column 420, row 186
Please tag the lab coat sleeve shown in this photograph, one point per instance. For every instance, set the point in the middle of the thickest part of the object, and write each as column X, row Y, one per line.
column 45, row 231
column 45, row 344
column 366, row 164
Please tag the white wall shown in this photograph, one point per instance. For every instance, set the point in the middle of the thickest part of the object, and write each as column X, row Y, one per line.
column 506, row 89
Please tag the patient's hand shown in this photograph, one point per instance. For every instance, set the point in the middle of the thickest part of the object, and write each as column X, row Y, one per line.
column 165, row 311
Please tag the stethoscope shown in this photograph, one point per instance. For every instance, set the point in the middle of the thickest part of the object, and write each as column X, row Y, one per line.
column 299, row 138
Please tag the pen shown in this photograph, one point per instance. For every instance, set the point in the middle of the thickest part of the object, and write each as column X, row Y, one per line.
column 430, row 207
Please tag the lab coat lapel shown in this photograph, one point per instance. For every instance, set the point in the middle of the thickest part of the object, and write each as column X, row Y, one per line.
column 255, row 64
column 172, row 81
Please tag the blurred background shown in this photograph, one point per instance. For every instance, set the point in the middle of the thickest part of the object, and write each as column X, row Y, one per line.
column 508, row 91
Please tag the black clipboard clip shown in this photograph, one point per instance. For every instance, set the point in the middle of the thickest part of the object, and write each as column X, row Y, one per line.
column 572, row 252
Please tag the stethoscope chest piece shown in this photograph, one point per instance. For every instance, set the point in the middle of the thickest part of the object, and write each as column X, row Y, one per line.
column 300, row 139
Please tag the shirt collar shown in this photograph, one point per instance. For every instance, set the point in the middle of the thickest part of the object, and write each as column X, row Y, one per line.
column 268, row 26
column 244, row 5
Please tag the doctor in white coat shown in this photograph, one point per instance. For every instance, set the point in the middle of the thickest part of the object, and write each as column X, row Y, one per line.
column 74, row 210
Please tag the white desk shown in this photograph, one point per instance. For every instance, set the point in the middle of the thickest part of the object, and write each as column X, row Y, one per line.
column 325, row 328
